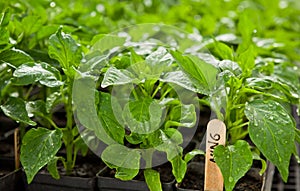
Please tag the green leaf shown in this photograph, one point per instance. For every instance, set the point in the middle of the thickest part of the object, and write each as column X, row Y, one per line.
column 142, row 116
column 52, row 100
column 179, row 167
column 39, row 147
column 37, row 107
column 108, row 119
column 234, row 161
column 152, row 179
column 190, row 155
column 31, row 24
column 297, row 135
column 256, row 156
column 52, row 168
column 221, row 50
column 169, row 145
column 15, row 108
column 64, row 49
column 245, row 26
column 159, row 59
column 30, row 73
column 86, row 111
column 114, row 76
column 5, row 18
column 126, row 173
column 272, row 131
column 125, row 160
column 108, row 42
column 182, row 115
column 80, row 145
column 202, row 74
column 15, row 57
column 246, row 60
column 135, row 58
column 178, row 78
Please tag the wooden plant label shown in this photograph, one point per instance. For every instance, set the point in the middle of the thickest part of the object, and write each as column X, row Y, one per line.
column 215, row 135
column 17, row 147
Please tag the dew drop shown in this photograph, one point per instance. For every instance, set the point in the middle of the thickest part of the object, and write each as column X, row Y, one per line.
column 52, row 4
column 230, row 179
column 100, row 8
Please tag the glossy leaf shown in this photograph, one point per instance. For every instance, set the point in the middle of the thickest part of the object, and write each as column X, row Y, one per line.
column 15, row 108
column 64, row 49
column 152, row 179
column 37, row 107
column 30, row 73
column 190, row 155
column 182, row 115
column 39, row 147
column 272, row 131
column 179, row 167
column 86, row 111
column 142, row 116
column 15, row 57
column 5, row 17
column 234, row 161
column 246, row 60
column 169, row 146
column 178, row 78
column 114, row 76
column 202, row 74
column 108, row 119
column 52, row 168
column 125, row 160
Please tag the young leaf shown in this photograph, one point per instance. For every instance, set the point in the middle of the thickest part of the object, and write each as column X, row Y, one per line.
column 272, row 130
column 39, row 147
column 179, row 167
column 152, row 179
column 52, row 168
column 202, row 74
column 222, row 50
column 234, row 161
column 30, row 73
column 114, row 76
column 182, row 115
column 64, row 49
column 107, row 42
column 86, row 111
column 108, row 117
column 37, row 107
column 5, row 18
column 246, row 60
column 190, row 155
column 15, row 108
column 178, row 78
column 142, row 116
column 169, row 145
column 125, row 160
column 135, row 58
column 15, row 57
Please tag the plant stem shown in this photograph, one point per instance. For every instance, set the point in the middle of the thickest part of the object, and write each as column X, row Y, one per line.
column 69, row 137
column 148, row 157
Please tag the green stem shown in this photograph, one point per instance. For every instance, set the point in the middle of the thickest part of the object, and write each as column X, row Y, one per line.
column 69, row 137
column 156, row 90
column 148, row 157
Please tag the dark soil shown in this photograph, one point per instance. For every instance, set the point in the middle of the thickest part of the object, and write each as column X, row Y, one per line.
column 194, row 179
column 7, row 165
column 85, row 168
